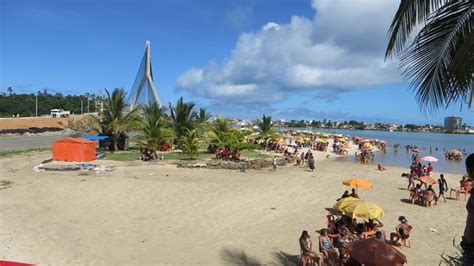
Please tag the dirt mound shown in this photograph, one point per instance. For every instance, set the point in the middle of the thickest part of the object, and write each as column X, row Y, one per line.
column 40, row 122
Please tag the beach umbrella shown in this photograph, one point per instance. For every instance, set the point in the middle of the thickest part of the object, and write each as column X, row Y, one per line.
column 367, row 145
column 430, row 159
column 324, row 135
column 341, row 204
column 428, row 180
column 372, row 251
column 455, row 152
column 364, row 210
column 358, row 183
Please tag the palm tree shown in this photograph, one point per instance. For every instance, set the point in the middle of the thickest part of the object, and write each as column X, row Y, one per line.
column 203, row 116
column 221, row 134
column 191, row 144
column 440, row 59
column 115, row 119
column 266, row 128
column 182, row 118
column 155, row 128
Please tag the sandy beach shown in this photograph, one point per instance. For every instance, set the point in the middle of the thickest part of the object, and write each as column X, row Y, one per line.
column 155, row 213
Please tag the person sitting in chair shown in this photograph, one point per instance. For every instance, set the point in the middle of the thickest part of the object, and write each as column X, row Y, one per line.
column 327, row 248
column 307, row 248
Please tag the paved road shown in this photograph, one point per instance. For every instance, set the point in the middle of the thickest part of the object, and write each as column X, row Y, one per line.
column 18, row 143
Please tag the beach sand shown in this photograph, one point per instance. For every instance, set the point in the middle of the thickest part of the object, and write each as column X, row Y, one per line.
column 155, row 213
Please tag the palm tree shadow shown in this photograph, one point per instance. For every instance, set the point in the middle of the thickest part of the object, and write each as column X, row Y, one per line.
column 238, row 257
column 283, row 258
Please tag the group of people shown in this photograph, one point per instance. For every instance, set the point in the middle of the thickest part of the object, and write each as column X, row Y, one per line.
column 305, row 158
column 150, row 155
column 342, row 230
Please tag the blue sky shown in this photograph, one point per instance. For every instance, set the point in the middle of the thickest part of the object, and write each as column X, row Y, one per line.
column 287, row 58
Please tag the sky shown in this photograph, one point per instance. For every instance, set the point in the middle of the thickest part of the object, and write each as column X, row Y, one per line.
column 292, row 59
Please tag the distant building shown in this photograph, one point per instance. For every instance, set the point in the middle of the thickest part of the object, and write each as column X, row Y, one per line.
column 452, row 123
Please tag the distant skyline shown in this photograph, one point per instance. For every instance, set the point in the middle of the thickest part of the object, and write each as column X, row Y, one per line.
column 292, row 59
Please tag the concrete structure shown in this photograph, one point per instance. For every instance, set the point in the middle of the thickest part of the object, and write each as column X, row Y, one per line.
column 143, row 90
column 452, row 123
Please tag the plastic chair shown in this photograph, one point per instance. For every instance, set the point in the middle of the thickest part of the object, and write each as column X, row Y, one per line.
column 306, row 260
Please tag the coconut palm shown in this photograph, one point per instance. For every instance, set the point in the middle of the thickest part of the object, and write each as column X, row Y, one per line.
column 221, row 134
column 266, row 128
column 439, row 60
column 182, row 118
column 190, row 145
column 116, row 118
column 202, row 116
column 154, row 128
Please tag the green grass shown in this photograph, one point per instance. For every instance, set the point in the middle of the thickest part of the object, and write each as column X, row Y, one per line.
column 5, row 154
column 252, row 154
column 122, row 156
column 134, row 155
column 178, row 156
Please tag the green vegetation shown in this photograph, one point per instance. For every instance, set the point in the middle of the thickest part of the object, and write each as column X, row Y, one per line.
column 155, row 128
column 439, row 60
column 179, row 156
column 452, row 260
column 183, row 119
column 191, row 144
column 25, row 104
column 123, row 156
column 115, row 119
column 252, row 154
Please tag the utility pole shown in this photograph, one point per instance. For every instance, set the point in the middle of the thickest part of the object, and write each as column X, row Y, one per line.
column 82, row 107
column 36, row 104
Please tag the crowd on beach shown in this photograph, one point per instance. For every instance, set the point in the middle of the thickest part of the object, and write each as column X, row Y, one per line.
column 342, row 230
column 420, row 184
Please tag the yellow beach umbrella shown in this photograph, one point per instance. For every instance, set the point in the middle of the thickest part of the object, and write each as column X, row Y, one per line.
column 364, row 209
column 358, row 183
column 367, row 145
column 341, row 204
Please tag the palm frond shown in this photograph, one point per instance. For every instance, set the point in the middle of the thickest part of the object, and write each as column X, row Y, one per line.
column 437, row 73
column 410, row 13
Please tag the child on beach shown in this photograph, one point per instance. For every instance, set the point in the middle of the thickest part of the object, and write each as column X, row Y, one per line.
column 274, row 163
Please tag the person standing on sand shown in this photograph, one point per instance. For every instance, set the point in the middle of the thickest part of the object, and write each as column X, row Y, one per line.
column 467, row 243
column 274, row 163
column 311, row 163
column 430, row 169
column 443, row 187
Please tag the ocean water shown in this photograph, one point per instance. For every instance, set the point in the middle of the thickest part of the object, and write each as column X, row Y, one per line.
column 444, row 142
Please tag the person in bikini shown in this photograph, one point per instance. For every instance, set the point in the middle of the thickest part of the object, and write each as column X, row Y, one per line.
column 327, row 248
column 402, row 231
column 307, row 248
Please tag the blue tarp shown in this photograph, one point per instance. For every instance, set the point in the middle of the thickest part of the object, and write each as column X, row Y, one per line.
column 95, row 137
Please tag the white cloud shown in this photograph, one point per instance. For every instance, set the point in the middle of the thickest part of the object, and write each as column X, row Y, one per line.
column 340, row 49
